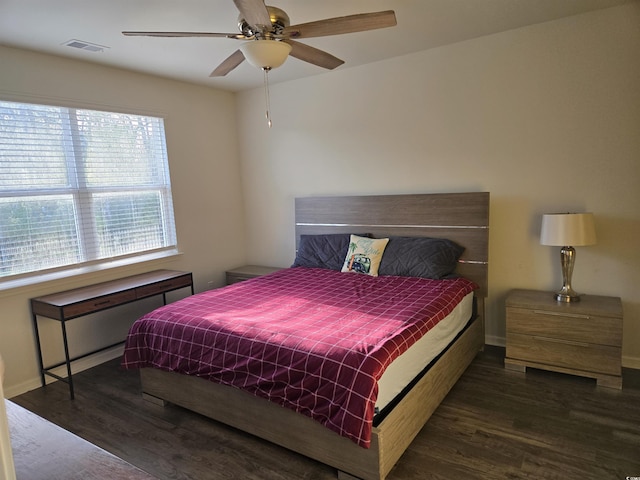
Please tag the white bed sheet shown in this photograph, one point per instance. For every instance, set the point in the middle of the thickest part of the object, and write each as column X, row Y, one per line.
column 408, row 365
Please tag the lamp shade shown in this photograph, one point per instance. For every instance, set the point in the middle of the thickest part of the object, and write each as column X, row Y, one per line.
column 567, row 229
column 266, row 54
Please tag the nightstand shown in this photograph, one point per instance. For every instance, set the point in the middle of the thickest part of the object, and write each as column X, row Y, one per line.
column 581, row 338
column 248, row 271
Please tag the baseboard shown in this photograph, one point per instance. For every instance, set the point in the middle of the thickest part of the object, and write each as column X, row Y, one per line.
column 631, row 362
column 77, row 367
column 495, row 341
column 115, row 352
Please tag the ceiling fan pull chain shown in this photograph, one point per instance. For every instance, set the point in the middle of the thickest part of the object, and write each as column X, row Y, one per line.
column 266, row 94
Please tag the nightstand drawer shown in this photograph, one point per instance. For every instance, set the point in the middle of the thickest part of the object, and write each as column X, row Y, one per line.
column 578, row 327
column 236, row 277
column 565, row 353
column 247, row 272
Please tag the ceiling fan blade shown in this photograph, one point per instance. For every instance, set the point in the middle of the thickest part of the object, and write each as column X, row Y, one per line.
column 254, row 12
column 339, row 25
column 231, row 62
column 237, row 36
column 313, row 55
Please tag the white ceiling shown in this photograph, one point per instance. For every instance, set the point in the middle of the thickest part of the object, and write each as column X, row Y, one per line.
column 46, row 25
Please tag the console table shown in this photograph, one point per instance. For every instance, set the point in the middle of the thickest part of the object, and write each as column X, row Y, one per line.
column 65, row 306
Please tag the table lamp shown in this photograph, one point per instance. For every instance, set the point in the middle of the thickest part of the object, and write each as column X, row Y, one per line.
column 567, row 230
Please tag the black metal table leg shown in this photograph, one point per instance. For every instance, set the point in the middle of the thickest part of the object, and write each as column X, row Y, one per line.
column 67, row 359
column 39, row 350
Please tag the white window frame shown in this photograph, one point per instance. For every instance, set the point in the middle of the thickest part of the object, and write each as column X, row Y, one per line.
column 83, row 199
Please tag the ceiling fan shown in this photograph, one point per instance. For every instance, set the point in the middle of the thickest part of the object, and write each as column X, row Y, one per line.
column 271, row 38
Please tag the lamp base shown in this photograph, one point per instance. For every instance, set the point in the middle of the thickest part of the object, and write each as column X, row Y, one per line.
column 560, row 297
column 567, row 295
column 567, row 259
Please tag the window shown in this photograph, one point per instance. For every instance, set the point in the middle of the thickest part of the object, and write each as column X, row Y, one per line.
column 79, row 186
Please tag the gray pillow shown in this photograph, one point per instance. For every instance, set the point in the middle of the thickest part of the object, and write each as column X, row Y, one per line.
column 424, row 257
column 322, row 251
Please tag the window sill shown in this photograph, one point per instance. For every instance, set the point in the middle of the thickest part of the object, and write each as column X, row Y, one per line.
column 13, row 286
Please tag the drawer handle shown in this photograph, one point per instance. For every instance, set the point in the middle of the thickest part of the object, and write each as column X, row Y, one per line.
column 104, row 302
column 559, row 340
column 561, row 314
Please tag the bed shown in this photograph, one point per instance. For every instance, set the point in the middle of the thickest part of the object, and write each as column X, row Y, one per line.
column 369, row 448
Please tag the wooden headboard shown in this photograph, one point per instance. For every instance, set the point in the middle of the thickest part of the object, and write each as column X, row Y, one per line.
column 461, row 217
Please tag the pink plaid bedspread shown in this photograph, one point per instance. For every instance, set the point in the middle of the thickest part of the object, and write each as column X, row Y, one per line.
column 313, row 340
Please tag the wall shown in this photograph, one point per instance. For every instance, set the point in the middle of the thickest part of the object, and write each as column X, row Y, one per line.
column 545, row 118
column 205, row 173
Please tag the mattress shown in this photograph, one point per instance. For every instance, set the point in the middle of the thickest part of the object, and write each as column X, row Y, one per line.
column 401, row 372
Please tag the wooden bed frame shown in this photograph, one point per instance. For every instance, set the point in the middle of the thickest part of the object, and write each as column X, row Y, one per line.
column 462, row 217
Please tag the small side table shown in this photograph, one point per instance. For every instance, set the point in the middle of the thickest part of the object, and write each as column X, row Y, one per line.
column 581, row 338
column 248, row 271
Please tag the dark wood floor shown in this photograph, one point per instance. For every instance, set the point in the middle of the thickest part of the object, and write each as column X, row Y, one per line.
column 495, row 424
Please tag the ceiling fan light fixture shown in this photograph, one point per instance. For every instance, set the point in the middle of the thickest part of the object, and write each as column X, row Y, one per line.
column 266, row 54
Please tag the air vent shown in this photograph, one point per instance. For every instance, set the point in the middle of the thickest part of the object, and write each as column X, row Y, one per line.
column 82, row 45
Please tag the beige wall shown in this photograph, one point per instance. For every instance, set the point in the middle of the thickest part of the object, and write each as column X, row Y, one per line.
column 546, row 118
column 205, row 174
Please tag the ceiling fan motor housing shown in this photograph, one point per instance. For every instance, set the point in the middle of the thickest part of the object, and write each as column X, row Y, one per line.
column 279, row 21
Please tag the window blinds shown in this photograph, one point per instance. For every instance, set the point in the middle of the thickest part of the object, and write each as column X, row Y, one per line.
column 77, row 186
